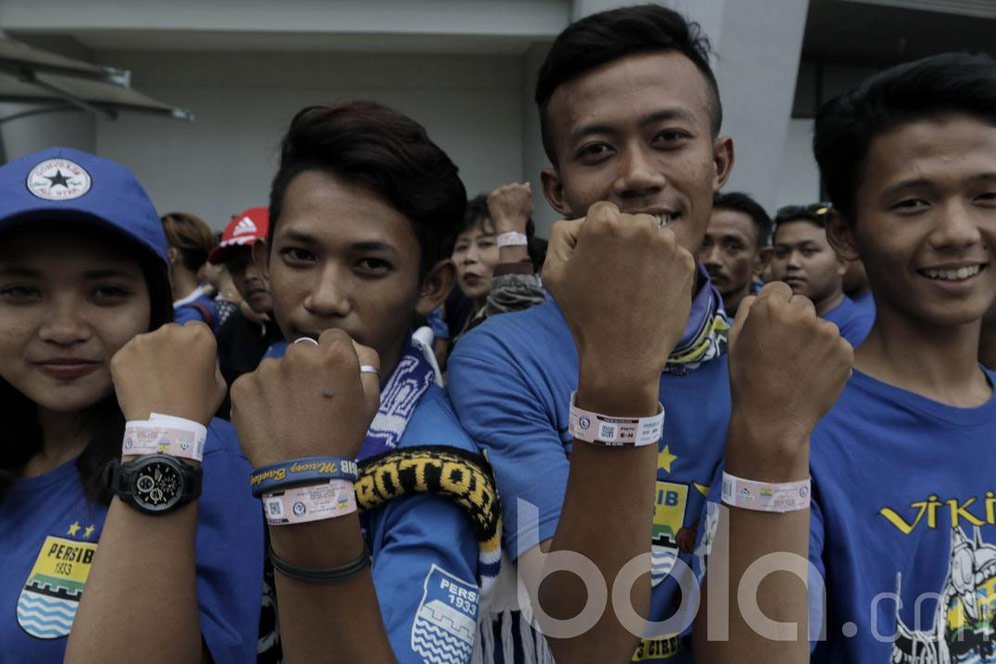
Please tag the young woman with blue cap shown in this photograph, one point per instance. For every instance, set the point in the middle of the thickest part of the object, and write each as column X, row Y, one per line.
column 121, row 500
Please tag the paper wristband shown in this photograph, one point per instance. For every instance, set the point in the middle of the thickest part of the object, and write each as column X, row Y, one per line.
column 307, row 470
column 165, row 434
column 765, row 496
column 512, row 239
column 310, row 503
column 614, row 431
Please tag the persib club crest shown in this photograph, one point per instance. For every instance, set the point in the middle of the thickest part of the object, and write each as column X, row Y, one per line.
column 47, row 605
column 446, row 620
column 669, row 516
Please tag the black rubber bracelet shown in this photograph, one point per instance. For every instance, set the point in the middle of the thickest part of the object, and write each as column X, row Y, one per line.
column 325, row 576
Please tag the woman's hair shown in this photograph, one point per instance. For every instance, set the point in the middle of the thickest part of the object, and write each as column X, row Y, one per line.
column 191, row 236
column 20, row 430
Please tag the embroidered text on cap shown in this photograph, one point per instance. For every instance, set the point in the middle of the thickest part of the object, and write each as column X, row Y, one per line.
column 58, row 180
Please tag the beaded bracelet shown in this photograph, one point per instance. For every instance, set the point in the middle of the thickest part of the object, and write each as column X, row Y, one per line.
column 297, row 472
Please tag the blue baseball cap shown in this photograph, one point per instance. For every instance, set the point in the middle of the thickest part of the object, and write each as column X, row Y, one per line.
column 62, row 184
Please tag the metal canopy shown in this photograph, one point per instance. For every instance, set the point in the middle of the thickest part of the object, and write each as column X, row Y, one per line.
column 30, row 75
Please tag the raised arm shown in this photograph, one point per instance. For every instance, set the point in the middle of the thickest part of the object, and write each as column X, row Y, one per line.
column 314, row 402
column 787, row 368
column 140, row 603
column 625, row 288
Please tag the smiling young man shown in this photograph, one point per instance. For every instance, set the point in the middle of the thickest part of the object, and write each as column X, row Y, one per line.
column 731, row 249
column 631, row 115
column 802, row 257
column 903, row 527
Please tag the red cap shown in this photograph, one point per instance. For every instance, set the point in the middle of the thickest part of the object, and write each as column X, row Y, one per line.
column 243, row 230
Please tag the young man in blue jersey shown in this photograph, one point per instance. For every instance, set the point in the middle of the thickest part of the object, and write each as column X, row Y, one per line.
column 364, row 210
column 631, row 116
column 802, row 257
column 903, row 527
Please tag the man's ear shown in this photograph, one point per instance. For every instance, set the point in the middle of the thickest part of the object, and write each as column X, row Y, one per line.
column 261, row 258
column 436, row 286
column 173, row 254
column 840, row 235
column 722, row 159
column 763, row 260
column 553, row 190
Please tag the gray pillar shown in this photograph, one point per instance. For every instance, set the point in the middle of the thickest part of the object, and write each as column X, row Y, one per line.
column 534, row 158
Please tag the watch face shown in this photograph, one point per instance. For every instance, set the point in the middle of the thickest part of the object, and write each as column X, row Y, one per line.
column 157, row 486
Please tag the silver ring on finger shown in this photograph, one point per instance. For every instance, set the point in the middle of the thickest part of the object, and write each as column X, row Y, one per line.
column 306, row 340
column 369, row 369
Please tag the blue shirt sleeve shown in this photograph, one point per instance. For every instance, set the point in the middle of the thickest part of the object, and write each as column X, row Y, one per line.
column 205, row 311
column 501, row 410
column 229, row 551
column 439, row 328
column 425, row 574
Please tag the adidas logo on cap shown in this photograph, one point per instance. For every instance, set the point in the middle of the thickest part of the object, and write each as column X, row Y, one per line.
column 244, row 227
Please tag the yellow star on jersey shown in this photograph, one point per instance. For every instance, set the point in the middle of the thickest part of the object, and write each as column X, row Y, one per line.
column 74, row 528
column 89, row 531
column 665, row 459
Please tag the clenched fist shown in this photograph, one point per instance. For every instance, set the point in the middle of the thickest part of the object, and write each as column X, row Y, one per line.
column 172, row 371
column 311, row 402
column 787, row 368
column 625, row 287
column 510, row 207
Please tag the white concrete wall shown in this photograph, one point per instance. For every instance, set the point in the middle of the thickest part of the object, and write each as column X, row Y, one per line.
column 223, row 162
column 799, row 177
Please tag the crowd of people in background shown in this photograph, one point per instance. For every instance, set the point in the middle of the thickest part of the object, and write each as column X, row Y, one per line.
column 375, row 421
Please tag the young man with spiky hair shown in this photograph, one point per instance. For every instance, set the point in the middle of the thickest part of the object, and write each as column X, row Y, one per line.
column 630, row 115
column 903, row 523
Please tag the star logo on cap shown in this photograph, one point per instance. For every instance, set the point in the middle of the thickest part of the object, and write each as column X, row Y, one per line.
column 58, row 180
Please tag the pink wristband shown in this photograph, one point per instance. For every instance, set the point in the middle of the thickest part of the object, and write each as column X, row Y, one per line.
column 165, row 434
column 765, row 496
column 614, row 431
column 309, row 503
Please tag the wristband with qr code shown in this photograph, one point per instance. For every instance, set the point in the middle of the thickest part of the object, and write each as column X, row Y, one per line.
column 614, row 431
column 314, row 502
column 164, row 434
column 512, row 239
column 298, row 472
column 765, row 496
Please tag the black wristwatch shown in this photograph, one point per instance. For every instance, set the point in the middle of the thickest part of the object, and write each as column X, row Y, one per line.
column 154, row 484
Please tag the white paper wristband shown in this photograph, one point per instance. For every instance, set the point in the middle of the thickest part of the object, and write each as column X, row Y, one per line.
column 614, row 431
column 512, row 239
column 314, row 502
column 765, row 496
column 165, row 434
